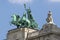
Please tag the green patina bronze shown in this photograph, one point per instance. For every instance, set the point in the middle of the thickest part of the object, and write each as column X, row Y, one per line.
column 33, row 24
column 24, row 21
column 16, row 20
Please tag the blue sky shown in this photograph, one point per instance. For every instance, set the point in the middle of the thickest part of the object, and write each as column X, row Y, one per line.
column 39, row 9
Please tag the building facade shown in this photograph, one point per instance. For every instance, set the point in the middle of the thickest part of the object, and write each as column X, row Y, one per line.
column 49, row 31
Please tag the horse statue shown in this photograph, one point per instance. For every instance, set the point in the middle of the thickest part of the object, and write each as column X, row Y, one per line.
column 20, row 22
column 16, row 20
column 33, row 24
column 24, row 21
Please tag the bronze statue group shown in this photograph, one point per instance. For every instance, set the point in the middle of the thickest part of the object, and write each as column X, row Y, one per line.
column 25, row 21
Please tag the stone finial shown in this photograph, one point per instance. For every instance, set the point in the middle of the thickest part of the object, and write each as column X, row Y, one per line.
column 49, row 18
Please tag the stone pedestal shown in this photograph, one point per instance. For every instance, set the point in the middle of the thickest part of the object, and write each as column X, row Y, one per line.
column 19, row 33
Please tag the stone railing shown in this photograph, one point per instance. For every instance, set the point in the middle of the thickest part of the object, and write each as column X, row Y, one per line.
column 36, row 33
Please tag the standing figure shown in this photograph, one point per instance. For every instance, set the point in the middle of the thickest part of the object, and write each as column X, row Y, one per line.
column 49, row 18
column 33, row 24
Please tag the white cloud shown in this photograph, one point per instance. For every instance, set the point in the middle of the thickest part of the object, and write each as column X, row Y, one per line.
column 55, row 0
column 20, row 1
